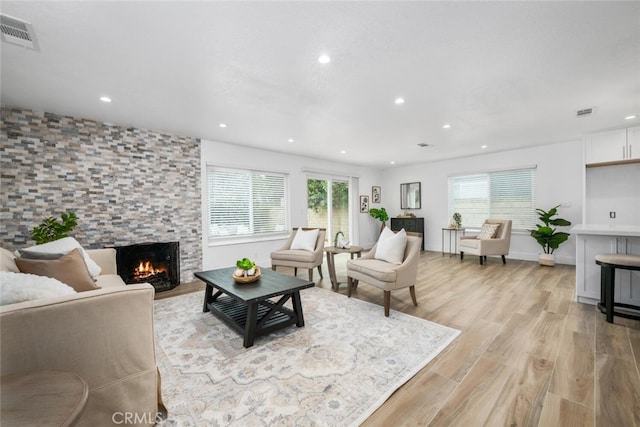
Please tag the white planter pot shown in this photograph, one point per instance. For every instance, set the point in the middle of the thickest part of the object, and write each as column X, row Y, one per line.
column 547, row 259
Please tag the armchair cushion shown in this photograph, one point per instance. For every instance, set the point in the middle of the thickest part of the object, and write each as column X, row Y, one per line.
column 377, row 269
column 391, row 246
column 294, row 255
column 305, row 240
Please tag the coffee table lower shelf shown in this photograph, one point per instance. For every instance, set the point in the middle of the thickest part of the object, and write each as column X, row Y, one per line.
column 269, row 316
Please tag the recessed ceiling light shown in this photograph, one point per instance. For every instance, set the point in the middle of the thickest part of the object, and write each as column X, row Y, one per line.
column 446, row 126
column 399, row 101
column 630, row 117
column 290, row 140
column 105, row 99
column 343, row 151
column 392, row 162
column 324, row 59
column 483, row 146
column 222, row 125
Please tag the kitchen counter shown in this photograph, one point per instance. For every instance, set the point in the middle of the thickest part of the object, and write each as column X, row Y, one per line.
column 594, row 239
column 607, row 230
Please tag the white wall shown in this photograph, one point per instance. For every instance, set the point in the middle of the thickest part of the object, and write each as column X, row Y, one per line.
column 559, row 181
column 613, row 188
column 221, row 154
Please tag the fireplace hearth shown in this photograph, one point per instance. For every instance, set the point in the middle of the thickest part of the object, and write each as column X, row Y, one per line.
column 155, row 263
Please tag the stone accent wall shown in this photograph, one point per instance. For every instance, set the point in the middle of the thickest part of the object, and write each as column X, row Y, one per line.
column 126, row 185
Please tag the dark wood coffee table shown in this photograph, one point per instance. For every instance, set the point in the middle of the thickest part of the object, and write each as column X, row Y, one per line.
column 247, row 307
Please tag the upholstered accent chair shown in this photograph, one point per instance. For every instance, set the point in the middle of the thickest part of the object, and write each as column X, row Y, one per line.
column 301, row 253
column 386, row 275
column 494, row 239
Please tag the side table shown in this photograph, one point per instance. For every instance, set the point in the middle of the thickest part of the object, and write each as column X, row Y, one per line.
column 331, row 265
column 42, row 398
column 453, row 232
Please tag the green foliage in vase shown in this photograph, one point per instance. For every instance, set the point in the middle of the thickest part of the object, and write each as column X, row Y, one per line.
column 245, row 264
column 52, row 229
column 379, row 214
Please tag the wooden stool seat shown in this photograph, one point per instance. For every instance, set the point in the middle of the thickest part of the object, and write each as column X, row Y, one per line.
column 608, row 264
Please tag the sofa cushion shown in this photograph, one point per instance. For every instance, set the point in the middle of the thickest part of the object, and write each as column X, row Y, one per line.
column 7, row 261
column 18, row 287
column 64, row 246
column 391, row 246
column 110, row 281
column 69, row 269
column 305, row 240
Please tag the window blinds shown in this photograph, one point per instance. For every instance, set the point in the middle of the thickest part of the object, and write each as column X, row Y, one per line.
column 246, row 202
column 506, row 194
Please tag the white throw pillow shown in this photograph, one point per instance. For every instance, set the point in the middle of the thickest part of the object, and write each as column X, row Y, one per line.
column 488, row 231
column 18, row 287
column 305, row 240
column 64, row 246
column 391, row 246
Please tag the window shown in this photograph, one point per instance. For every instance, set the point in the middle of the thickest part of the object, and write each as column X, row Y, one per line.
column 246, row 202
column 508, row 194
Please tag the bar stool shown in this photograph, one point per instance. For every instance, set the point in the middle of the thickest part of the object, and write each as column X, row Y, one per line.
column 608, row 264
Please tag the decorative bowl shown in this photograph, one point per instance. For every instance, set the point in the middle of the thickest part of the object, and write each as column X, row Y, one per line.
column 247, row 279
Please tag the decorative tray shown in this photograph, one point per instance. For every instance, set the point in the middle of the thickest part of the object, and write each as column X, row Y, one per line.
column 249, row 279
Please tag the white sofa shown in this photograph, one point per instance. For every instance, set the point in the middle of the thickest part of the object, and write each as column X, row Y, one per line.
column 105, row 336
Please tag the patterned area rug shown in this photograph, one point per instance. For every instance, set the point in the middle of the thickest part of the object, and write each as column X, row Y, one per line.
column 336, row 370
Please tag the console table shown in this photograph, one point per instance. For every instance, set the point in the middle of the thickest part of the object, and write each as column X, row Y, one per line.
column 413, row 224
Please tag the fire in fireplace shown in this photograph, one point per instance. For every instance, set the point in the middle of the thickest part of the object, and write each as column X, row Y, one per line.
column 154, row 263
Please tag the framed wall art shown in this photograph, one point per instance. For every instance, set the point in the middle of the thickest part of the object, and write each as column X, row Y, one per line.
column 376, row 194
column 364, row 204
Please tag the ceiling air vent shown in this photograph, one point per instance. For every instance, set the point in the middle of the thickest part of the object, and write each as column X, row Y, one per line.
column 18, row 32
column 584, row 113
column 424, row 144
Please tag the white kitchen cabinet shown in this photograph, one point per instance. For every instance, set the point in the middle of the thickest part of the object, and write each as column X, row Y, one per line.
column 620, row 145
column 592, row 240
column 633, row 142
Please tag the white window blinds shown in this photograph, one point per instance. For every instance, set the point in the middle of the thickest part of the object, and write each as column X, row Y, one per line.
column 246, row 202
column 509, row 194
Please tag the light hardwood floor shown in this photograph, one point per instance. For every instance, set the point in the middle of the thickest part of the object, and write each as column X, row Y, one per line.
column 528, row 354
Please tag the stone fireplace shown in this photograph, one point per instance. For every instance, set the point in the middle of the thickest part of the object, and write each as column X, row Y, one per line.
column 155, row 263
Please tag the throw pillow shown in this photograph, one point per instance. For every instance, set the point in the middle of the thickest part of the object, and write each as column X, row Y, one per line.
column 7, row 261
column 391, row 246
column 305, row 240
column 64, row 246
column 18, row 287
column 488, row 231
column 69, row 269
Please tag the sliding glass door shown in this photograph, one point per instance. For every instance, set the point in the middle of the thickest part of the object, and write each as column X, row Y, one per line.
column 328, row 205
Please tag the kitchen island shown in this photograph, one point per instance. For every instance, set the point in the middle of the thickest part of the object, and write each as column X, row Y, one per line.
column 594, row 239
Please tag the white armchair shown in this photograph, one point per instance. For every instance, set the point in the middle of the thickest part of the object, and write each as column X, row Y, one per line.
column 482, row 245
column 298, row 258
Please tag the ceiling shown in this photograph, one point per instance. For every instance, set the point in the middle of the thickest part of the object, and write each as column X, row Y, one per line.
column 505, row 75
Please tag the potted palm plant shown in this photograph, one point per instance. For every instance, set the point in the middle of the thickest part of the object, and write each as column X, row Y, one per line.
column 547, row 236
column 381, row 215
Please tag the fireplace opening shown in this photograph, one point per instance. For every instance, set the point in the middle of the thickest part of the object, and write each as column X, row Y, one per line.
column 155, row 263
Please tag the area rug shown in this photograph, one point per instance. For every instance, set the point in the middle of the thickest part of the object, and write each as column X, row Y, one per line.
column 335, row 371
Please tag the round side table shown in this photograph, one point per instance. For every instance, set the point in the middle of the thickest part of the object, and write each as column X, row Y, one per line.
column 331, row 265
